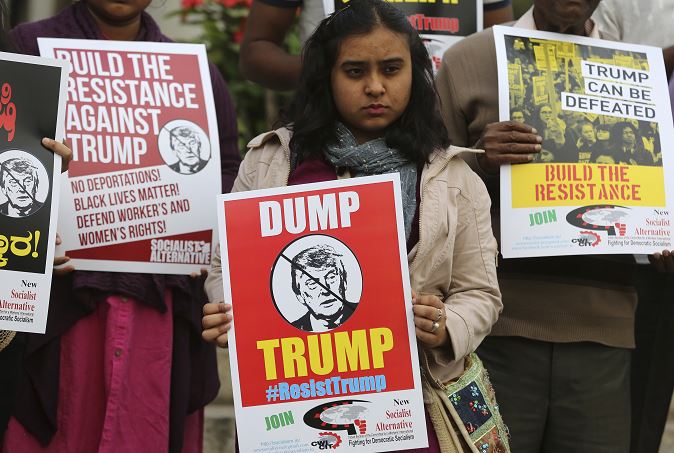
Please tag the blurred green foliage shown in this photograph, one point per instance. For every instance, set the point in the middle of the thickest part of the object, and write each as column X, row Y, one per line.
column 223, row 23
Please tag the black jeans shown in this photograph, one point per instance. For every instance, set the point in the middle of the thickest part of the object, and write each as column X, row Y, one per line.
column 653, row 359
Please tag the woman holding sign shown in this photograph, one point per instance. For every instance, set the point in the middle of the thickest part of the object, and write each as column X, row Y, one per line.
column 11, row 343
column 380, row 115
column 122, row 366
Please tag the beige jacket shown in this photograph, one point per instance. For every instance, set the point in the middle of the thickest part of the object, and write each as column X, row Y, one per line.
column 454, row 259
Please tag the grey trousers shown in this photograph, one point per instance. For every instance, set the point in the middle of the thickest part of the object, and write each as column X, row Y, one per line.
column 561, row 397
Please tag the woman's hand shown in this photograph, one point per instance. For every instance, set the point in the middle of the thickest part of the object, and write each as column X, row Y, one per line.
column 62, row 149
column 429, row 319
column 663, row 262
column 58, row 260
column 216, row 322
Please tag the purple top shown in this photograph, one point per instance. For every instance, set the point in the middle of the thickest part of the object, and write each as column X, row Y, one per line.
column 194, row 379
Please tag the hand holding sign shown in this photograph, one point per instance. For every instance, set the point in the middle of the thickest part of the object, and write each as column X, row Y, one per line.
column 62, row 149
column 59, row 260
column 216, row 322
column 663, row 262
column 507, row 142
column 429, row 319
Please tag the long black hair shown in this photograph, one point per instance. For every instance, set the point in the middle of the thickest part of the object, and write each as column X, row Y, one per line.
column 312, row 113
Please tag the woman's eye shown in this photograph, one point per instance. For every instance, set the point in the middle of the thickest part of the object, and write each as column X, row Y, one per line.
column 354, row 72
column 391, row 69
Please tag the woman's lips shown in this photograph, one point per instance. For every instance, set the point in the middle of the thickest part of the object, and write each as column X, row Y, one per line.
column 375, row 109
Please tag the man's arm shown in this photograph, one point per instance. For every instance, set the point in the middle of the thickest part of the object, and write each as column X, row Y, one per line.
column 263, row 59
column 497, row 12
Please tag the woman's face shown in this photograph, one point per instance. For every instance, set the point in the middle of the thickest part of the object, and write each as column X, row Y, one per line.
column 587, row 131
column 117, row 11
column 517, row 117
column 605, row 159
column 603, row 134
column 546, row 114
column 546, row 156
column 628, row 136
column 372, row 81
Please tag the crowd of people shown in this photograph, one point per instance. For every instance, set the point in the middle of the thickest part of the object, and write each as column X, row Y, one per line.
column 128, row 360
column 570, row 136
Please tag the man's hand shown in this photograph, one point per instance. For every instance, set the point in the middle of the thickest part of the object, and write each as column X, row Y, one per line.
column 203, row 273
column 507, row 142
column 663, row 262
column 216, row 322
column 429, row 320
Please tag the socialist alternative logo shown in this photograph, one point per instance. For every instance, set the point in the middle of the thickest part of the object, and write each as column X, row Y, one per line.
column 598, row 218
column 327, row 440
column 587, row 239
column 343, row 415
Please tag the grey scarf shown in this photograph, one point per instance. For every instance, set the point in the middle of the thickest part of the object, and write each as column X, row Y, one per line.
column 375, row 158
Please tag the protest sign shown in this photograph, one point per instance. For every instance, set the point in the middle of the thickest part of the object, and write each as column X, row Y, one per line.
column 323, row 348
column 146, row 161
column 440, row 24
column 32, row 106
column 598, row 185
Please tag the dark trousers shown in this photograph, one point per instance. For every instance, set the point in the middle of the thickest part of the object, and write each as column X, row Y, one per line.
column 652, row 360
column 561, row 397
column 10, row 371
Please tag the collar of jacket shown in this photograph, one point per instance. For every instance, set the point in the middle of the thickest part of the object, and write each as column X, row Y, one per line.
column 437, row 161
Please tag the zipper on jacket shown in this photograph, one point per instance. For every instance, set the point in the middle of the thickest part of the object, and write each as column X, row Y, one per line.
column 286, row 150
column 421, row 206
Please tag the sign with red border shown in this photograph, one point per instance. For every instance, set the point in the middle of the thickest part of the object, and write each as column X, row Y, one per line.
column 323, row 350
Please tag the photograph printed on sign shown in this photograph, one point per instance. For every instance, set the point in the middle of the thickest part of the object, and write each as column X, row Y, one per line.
column 552, row 81
column 316, row 283
column 184, row 146
column 598, row 184
column 24, row 184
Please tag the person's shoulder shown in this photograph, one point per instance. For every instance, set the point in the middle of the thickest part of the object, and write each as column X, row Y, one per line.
column 35, row 207
column 454, row 169
column 476, row 42
column 270, row 143
column 351, row 306
column 303, row 322
column 471, row 58
column 24, row 36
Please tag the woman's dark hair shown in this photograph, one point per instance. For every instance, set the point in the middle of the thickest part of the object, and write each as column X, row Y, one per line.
column 617, row 131
column 312, row 113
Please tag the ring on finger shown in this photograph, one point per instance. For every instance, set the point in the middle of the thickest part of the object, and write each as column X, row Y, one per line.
column 439, row 315
column 435, row 327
